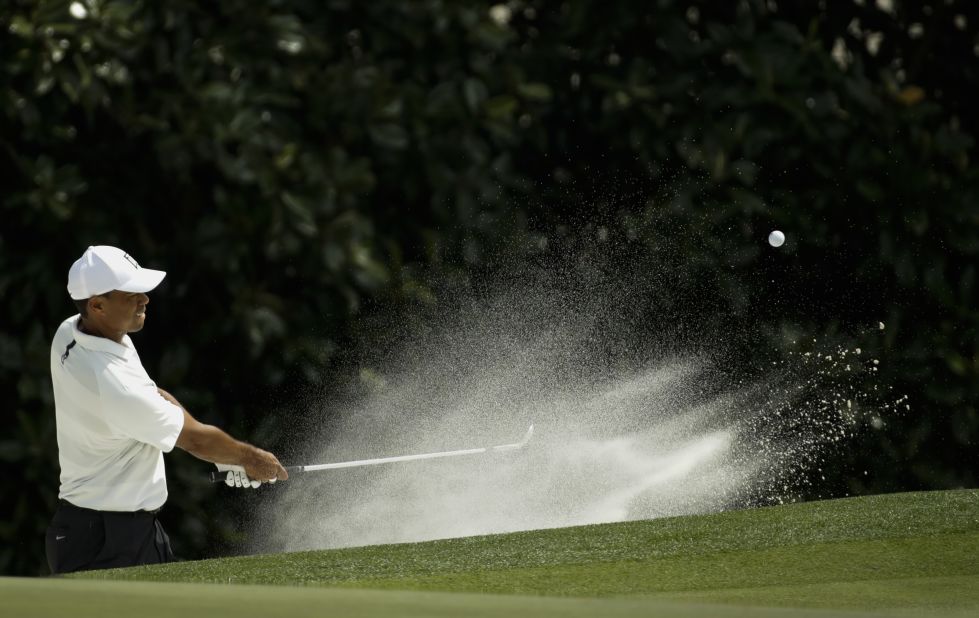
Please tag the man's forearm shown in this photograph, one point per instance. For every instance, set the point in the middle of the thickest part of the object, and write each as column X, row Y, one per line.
column 208, row 442
column 214, row 445
column 211, row 444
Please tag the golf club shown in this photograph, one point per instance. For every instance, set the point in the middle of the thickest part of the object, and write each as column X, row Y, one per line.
column 219, row 477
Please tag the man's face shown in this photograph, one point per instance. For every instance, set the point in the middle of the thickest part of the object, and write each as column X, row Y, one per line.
column 121, row 312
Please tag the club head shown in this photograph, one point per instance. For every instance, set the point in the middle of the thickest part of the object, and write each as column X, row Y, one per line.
column 516, row 445
column 527, row 436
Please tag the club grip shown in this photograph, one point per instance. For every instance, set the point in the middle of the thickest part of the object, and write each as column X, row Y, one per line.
column 218, row 477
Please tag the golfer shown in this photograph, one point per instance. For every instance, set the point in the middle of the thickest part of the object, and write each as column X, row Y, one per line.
column 114, row 424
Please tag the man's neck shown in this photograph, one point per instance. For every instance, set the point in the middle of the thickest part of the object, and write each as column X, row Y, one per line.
column 88, row 328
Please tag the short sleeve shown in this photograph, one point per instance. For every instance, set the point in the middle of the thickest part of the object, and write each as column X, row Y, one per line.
column 132, row 405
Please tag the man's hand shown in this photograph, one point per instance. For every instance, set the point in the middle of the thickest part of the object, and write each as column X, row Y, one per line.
column 264, row 465
column 259, row 465
column 237, row 477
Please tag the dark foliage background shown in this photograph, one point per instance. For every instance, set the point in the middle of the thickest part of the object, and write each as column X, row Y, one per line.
column 308, row 171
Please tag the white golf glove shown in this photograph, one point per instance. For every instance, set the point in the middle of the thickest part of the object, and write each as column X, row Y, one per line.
column 236, row 477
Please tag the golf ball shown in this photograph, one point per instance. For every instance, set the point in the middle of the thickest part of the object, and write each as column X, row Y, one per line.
column 776, row 238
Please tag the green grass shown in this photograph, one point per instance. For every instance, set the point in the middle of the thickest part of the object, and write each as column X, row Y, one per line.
column 914, row 553
column 26, row 598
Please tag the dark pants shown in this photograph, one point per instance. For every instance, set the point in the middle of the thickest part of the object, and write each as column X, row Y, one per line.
column 82, row 539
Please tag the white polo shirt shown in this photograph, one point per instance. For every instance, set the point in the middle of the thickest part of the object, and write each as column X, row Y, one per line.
column 113, row 424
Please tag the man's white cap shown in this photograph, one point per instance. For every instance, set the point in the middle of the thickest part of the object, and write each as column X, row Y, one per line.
column 103, row 268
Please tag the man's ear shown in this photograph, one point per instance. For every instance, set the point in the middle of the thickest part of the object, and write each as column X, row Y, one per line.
column 96, row 304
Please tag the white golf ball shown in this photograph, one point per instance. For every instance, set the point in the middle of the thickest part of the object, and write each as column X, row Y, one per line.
column 776, row 238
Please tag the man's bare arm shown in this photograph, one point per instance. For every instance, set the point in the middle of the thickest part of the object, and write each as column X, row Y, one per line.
column 209, row 443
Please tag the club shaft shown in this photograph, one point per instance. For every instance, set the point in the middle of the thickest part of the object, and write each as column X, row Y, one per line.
column 217, row 477
column 385, row 460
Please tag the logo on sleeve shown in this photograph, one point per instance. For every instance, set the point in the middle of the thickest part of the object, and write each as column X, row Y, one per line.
column 64, row 356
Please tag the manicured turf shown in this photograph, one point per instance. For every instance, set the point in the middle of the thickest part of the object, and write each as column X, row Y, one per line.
column 96, row 599
column 917, row 552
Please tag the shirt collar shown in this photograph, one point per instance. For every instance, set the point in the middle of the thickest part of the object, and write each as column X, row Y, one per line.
column 101, row 344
